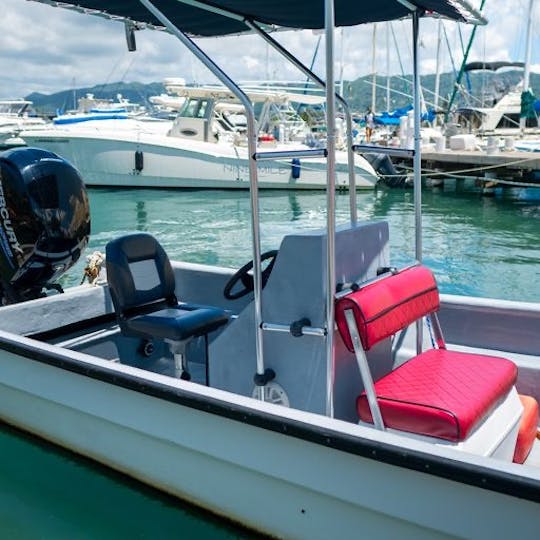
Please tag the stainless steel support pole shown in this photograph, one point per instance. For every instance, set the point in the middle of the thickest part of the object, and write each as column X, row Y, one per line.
column 417, row 162
column 330, row 203
column 252, row 149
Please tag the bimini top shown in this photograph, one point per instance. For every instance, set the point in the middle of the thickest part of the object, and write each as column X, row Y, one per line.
column 492, row 66
column 222, row 17
column 259, row 94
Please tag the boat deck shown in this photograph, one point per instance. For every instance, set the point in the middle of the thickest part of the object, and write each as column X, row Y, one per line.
column 102, row 338
column 533, row 459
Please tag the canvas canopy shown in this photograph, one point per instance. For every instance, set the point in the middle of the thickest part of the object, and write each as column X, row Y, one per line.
column 222, row 17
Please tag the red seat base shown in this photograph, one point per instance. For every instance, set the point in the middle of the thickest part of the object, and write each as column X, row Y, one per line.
column 528, row 428
column 441, row 393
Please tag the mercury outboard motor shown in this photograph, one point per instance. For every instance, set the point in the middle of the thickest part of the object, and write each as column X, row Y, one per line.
column 44, row 222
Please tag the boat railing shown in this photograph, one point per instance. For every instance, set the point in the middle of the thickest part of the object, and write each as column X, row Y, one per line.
column 388, row 150
column 297, row 328
column 281, row 154
column 262, row 375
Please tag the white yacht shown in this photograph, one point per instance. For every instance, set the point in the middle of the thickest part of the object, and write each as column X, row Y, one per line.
column 15, row 115
column 90, row 108
column 204, row 147
column 498, row 111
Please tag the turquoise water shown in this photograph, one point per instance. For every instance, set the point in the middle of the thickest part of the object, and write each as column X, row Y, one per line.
column 46, row 493
column 475, row 245
column 479, row 246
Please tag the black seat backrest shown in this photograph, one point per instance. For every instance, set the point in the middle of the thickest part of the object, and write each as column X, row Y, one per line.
column 139, row 273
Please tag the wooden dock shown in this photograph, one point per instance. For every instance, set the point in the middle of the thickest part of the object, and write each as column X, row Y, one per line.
column 514, row 160
column 502, row 167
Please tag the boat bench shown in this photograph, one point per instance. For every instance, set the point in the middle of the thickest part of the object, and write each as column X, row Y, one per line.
column 437, row 393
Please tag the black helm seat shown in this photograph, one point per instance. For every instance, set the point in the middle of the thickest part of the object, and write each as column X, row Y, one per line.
column 142, row 285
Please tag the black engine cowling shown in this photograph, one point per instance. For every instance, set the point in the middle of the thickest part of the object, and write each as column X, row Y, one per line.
column 44, row 221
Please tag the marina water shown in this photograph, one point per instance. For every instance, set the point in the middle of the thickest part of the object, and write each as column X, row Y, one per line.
column 475, row 245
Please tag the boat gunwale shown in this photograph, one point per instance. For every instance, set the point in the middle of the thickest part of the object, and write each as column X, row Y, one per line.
column 472, row 474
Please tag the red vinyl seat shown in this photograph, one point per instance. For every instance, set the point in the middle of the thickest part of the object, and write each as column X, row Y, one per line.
column 441, row 393
column 438, row 393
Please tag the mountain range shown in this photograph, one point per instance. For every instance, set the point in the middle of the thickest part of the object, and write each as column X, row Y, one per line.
column 358, row 93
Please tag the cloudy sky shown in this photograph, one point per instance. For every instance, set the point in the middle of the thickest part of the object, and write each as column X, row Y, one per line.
column 46, row 49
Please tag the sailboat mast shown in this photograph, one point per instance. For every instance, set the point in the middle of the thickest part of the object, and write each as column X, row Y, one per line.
column 527, row 71
column 462, row 69
column 438, row 66
column 373, row 70
column 341, row 64
column 388, row 66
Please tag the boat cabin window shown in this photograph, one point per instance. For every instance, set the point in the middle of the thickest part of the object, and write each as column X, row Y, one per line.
column 14, row 108
column 511, row 120
column 195, row 108
column 470, row 119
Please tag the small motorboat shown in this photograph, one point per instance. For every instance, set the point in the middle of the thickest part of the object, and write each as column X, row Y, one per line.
column 316, row 392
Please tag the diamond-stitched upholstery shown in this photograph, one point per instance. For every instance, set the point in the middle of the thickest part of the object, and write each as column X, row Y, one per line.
column 384, row 307
column 441, row 393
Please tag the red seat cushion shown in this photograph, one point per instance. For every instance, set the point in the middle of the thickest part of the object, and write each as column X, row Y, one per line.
column 441, row 393
column 388, row 305
column 528, row 428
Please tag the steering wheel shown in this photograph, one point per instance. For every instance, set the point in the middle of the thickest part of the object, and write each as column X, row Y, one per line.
column 245, row 275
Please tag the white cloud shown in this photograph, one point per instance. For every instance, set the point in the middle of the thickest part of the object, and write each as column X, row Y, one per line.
column 48, row 49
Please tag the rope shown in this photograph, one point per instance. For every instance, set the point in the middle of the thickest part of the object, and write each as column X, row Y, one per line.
column 428, row 322
column 482, row 167
column 460, row 176
column 498, row 166
column 93, row 268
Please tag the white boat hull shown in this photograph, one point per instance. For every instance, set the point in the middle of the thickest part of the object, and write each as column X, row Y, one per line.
column 282, row 471
column 309, row 471
column 108, row 159
column 272, row 479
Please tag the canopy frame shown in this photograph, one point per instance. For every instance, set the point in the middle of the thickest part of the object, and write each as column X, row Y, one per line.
column 459, row 8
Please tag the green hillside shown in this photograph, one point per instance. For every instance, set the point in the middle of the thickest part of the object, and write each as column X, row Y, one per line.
column 358, row 92
column 49, row 104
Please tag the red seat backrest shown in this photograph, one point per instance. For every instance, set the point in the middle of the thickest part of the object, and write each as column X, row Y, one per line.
column 388, row 305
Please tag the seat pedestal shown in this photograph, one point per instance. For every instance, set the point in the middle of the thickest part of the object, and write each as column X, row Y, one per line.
column 178, row 350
